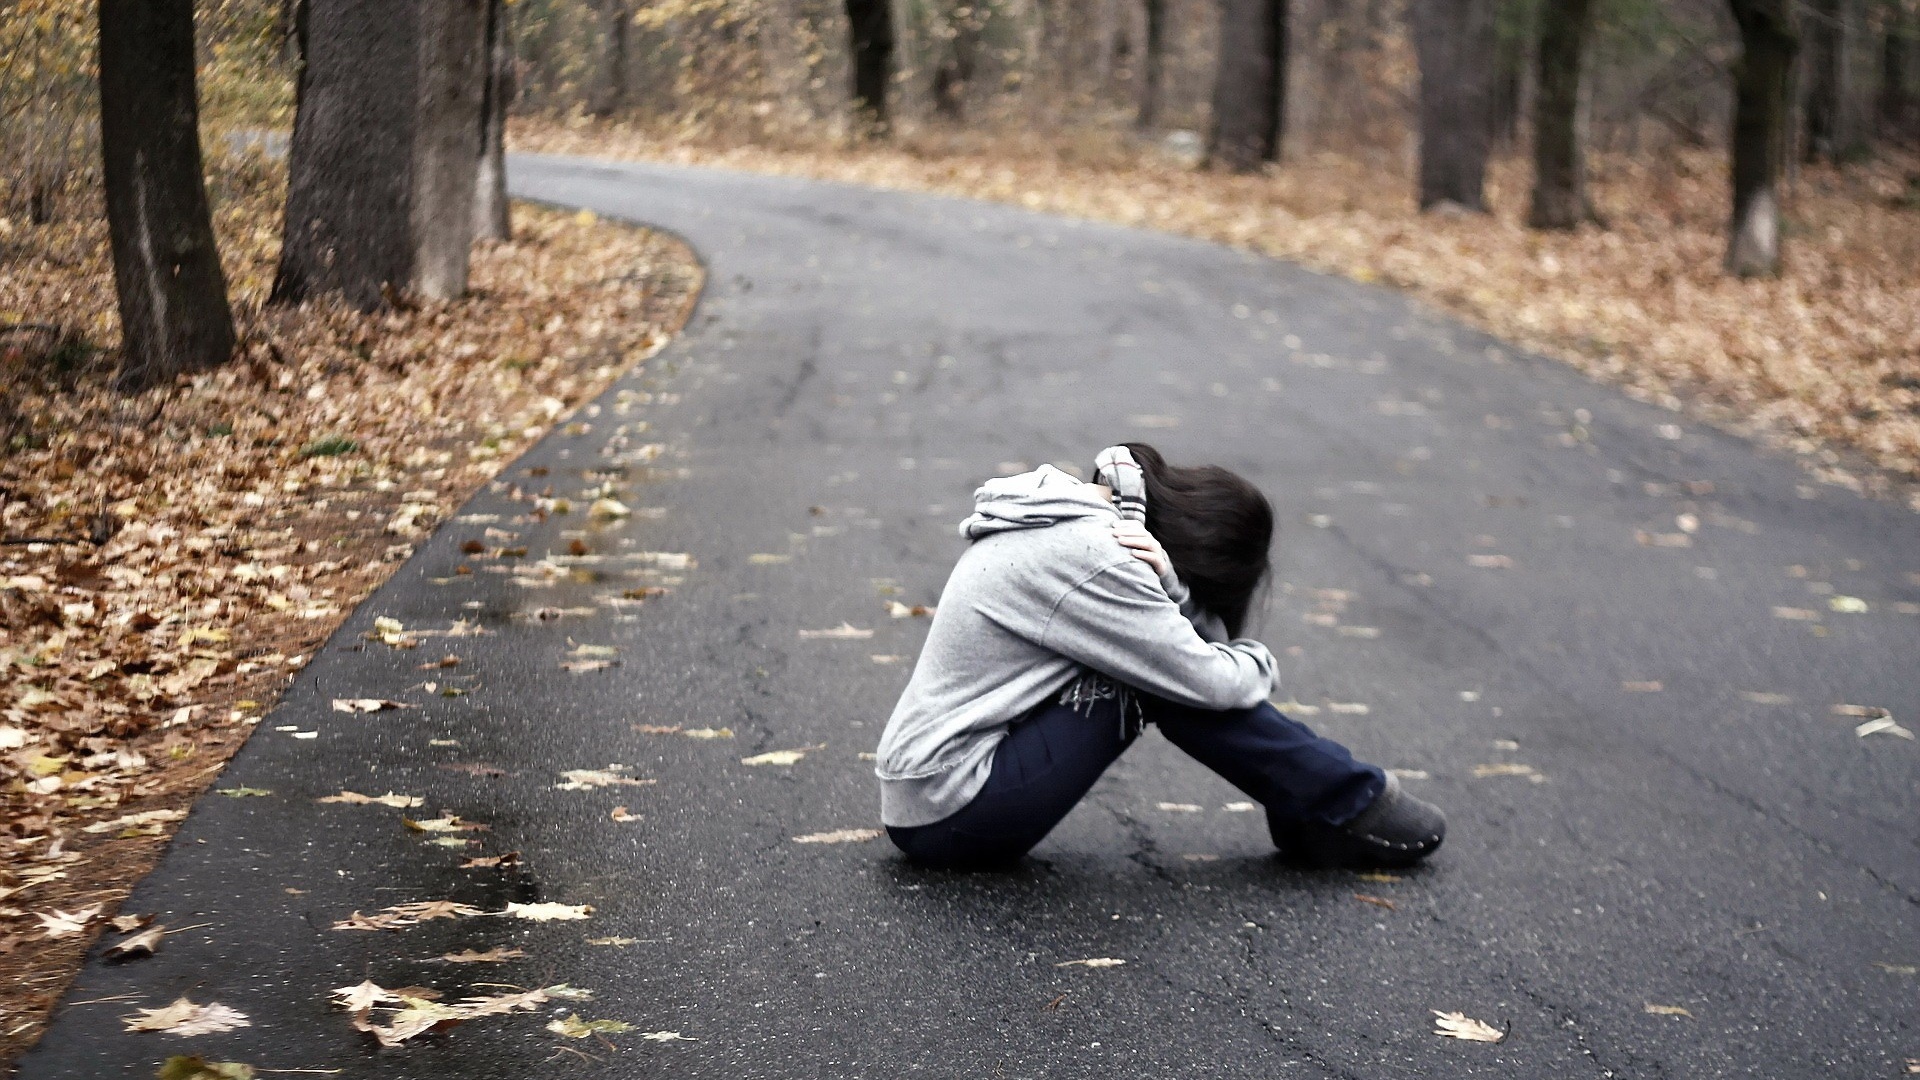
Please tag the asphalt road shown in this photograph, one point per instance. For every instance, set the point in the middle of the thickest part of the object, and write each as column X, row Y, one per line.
column 1480, row 564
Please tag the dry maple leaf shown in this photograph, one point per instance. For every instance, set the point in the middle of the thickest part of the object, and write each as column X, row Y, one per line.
column 585, row 779
column 142, row 943
column 1455, row 1025
column 775, row 757
column 183, row 1017
column 363, row 996
column 843, row 632
column 59, row 924
column 511, row 858
column 366, row 705
column 354, row 798
column 502, row 1003
column 547, row 912
column 575, row 1028
column 450, row 823
column 840, row 836
column 496, row 955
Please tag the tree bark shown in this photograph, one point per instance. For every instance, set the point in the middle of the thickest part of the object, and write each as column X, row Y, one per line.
column 166, row 269
column 381, row 175
column 1456, row 44
column 963, row 22
column 1899, row 119
column 1249, row 84
column 1153, row 51
column 491, row 220
column 870, row 23
column 610, row 58
column 1559, row 118
column 1826, row 75
column 1762, row 77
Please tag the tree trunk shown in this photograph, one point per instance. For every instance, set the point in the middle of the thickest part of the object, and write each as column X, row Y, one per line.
column 166, row 269
column 1153, row 51
column 610, row 58
column 1559, row 118
column 491, row 220
column 1249, row 84
column 870, row 24
column 1456, row 44
column 960, row 31
column 1826, row 75
column 1898, row 116
column 1762, row 77
column 382, row 172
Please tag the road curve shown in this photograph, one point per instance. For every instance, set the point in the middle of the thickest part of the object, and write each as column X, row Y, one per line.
column 1560, row 610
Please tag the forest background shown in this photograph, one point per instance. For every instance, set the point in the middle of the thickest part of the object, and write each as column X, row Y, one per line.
column 1713, row 203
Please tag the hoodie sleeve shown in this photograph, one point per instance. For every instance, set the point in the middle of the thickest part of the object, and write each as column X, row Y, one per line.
column 1205, row 622
column 1120, row 622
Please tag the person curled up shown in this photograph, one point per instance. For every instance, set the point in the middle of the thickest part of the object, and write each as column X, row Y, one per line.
column 1081, row 612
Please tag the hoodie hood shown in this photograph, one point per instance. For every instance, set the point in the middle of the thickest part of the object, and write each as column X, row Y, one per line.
column 1032, row 500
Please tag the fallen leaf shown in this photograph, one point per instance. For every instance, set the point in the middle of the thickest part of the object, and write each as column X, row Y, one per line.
column 1455, row 1025
column 708, row 733
column 840, row 836
column 199, row 1068
column 1379, row 877
column 1642, row 687
column 242, row 792
column 1092, row 962
column 901, row 611
column 768, row 559
column 354, row 798
column 564, row 992
column 183, row 1017
column 608, row 509
column 450, row 823
column 575, row 1028
column 145, row 817
column 140, row 944
column 1490, row 562
column 586, row 779
column 511, row 858
column 1178, row 807
column 1897, row 969
column 1796, row 614
column 1847, row 605
column 1240, row 807
column 548, row 911
column 1376, row 901
column 616, row 942
column 775, row 757
column 1885, row 724
column 621, row 814
column 126, row 924
column 496, row 955
column 473, row 768
column 1667, row 1010
column 363, row 996
column 843, row 632
column 1860, row 712
column 366, row 705
column 581, row 667
column 1349, row 708
column 656, row 729
column 666, row 1036
column 1504, row 768
column 59, row 924
column 886, row 658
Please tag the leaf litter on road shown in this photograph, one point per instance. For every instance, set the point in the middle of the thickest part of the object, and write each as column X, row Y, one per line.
column 499, row 954
column 840, row 836
column 843, row 632
column 1455, row 1025
column 782, row 757
column 588, row 779
column 368, row 705
column 138, row 943
column 1666, row 1010
column 59, row 924
column 573, row 1027
column 183, row 1018
column 354, row 798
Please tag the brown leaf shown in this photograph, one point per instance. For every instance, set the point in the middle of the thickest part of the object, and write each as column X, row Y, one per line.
column 143, row 943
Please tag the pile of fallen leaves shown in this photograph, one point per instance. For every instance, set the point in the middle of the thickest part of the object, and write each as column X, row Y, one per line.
column 1826, row 357
column 173, row 558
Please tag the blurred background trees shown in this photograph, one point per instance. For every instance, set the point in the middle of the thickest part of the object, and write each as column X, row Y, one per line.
column 394, row 110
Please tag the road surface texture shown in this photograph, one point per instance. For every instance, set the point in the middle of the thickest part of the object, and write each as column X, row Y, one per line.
column 1603, row 638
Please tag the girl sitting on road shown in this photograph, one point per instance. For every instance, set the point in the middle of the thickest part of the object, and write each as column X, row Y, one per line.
column 1082, row 612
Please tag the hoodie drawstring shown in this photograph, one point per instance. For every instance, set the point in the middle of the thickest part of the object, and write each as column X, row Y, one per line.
column 1083, row 694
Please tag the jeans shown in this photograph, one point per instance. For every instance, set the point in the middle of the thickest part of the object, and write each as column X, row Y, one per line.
column 1052, row 756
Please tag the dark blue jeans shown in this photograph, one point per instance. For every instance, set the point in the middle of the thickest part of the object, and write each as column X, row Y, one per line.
column 1052, row 756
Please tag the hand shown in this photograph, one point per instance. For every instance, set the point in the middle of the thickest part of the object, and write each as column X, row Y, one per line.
column 1135, row 537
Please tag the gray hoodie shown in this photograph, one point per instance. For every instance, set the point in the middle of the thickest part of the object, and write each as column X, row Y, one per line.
column 1043, row 593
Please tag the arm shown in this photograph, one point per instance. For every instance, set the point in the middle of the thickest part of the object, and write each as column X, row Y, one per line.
column 1121, row 622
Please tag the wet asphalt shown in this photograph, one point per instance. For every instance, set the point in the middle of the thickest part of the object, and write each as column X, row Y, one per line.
column 1486, row 565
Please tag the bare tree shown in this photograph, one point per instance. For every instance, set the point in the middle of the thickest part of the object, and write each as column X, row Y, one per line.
column 166, row 269
column 1153, row 64
column 1456, row 44
column 491, row 220
column 1827, row 79
column 870, row 25
column 1762, row 77
column 609, row 91
column 957, row 34
column 1560, row 118
column 381, row 175
column 1249, row 84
